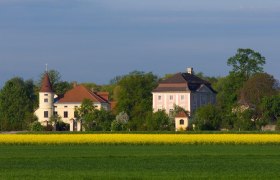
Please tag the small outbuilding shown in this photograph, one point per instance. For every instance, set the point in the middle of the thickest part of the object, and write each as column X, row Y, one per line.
column 181, row 121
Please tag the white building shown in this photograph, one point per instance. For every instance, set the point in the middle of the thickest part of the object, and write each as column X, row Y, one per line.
column 65, row 105
column 185, row 90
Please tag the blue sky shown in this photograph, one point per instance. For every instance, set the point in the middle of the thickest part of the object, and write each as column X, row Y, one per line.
column 95, row 40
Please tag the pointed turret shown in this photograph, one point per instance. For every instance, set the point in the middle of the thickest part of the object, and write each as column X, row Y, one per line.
column 46, row 84
column 46, row 99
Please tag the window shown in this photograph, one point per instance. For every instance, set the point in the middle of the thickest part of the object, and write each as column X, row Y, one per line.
column 45, row 94
column 65, row 106
column 171, row 97
column 181, row 122
column 171, row 111
column 46, row 100
column 65, row 113
column 182, row 97
column 159, row 98
column 46, row 114
column 55, row 112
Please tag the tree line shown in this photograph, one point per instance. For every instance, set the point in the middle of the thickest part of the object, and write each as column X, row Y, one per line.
column 247, row 99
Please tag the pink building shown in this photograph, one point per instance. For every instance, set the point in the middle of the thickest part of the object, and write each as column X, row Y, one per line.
column 185, row 90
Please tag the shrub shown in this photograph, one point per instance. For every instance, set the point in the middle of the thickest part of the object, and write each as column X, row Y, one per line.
column 36, row 126
column 48, row 128
column 120, row 123
column 116, row 126
column 62, row 126
column 208, row 117
column 278, row 124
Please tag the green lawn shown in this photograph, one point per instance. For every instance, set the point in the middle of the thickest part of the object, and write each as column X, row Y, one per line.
column 139, row 161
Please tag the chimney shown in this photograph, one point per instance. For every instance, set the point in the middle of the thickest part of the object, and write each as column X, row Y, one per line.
column 190, row 70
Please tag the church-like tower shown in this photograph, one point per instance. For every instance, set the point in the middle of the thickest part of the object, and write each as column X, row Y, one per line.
column 46, row 100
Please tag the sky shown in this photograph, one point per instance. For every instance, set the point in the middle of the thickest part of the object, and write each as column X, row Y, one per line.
column 96, row 40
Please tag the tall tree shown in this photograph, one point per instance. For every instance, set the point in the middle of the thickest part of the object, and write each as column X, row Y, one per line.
column 133, row 95
column 16, row 104
column 257, row 87
column 246, row 62
column 228, row 90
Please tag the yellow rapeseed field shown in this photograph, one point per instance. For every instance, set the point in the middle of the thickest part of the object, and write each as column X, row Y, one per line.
column 140, row 139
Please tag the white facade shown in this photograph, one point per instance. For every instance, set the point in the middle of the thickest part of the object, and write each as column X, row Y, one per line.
column 46, row 108
column 66, row 111
column 65, row 106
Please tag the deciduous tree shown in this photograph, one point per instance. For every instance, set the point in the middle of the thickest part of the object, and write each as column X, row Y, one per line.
column 208, row 117
column 158, row 121
column 133, row 95
column 257, row 87
column 246, row 62
column 16, row 104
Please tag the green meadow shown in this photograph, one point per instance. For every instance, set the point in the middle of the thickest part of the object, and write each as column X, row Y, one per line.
column 139, row 161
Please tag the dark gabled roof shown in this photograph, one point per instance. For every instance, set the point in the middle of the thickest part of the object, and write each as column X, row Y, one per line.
column 46, row 84
column 184, row 78
column 170, row 89
column 78, row 94
column 176, row 78
column 182, row 82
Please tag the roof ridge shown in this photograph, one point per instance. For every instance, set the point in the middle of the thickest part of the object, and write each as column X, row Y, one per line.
column 79, row 93
column 95, row 95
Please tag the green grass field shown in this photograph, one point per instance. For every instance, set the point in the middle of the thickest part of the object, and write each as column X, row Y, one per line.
column 139, row 161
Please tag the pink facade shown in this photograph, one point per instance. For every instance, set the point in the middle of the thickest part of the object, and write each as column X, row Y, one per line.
column 185, row 90
column 167, row 101
column 189, row 101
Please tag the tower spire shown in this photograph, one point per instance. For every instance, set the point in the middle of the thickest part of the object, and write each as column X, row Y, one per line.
column 46, row 84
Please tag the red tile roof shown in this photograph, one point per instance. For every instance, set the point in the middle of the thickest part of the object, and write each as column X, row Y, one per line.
column 104, row 95
column 46, row 84
column 181, row 114
column 79, row 93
